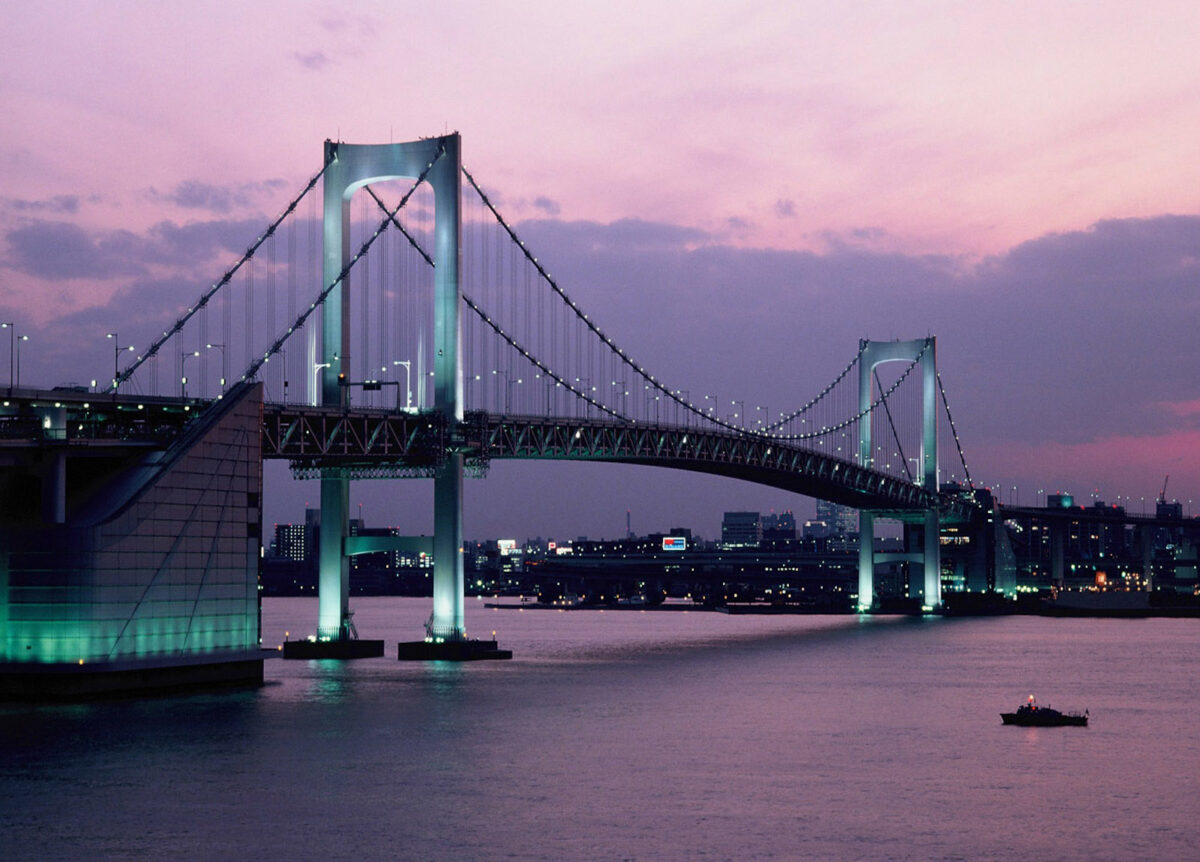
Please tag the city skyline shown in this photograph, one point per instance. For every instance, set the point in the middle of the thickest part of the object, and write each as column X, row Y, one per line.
column 1017, row 182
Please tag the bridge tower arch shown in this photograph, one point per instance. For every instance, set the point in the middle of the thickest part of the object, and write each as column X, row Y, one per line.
column 924, row 352
column 349, row 167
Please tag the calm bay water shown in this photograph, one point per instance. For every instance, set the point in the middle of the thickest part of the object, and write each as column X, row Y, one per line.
column 638, row 735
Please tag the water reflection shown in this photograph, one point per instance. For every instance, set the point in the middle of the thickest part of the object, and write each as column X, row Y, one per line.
column 331, row 680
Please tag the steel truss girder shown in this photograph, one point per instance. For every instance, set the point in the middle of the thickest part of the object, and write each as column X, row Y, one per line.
column 746, row 455
column 330, row 436
column 383, row 444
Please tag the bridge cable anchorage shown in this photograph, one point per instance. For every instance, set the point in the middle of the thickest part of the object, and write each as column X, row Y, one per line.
column 587, row 322
column 275, row 347
column 224, row 280
column 954, row 432
column 471, row 304
column 895, row 435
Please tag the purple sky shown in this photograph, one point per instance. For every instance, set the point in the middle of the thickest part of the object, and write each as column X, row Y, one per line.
column 1020, row 181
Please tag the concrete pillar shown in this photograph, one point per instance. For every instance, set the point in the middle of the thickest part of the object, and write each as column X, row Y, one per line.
column 866, row 560
column 349, row 167
column 54, row 480
column 933, row 560
column 875, row 353
column 447, row 621
column 448, row 600
column 333, row 573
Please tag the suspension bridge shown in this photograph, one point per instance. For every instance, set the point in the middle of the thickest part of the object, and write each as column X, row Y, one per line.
column 421, row 337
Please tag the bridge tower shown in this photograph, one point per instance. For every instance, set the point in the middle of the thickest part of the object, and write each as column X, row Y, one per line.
column 351, row 166
column 924, row 352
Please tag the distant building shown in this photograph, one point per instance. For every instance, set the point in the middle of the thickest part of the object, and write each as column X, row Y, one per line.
column 741, row 530
column 298, row 542
column 781, row 527
column 839, row 520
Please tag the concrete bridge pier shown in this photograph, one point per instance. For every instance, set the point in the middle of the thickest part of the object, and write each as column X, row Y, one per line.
column 926, row 585
column 349, row 167
column 922, row 551
column 333, row 584
column 931, row 594
column 866, row 560
column 446, row 622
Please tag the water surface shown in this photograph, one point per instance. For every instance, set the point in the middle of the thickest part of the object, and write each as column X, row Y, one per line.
column 638, row 735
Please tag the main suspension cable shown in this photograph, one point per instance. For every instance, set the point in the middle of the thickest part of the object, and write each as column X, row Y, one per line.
column 499, row 330
column 208, row 294
column 895, row 436
column 587, row 322
column 954, row 432
column 275, row 347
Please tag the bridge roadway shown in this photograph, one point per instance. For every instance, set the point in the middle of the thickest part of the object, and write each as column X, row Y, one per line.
column 367, row 443
column 379, row 443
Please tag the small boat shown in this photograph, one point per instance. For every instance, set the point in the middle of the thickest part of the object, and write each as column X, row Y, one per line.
column 1031, row 715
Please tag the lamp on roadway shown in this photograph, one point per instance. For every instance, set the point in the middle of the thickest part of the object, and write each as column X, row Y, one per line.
column 407, row 363
column 117, row 348
column 12, row 336
column 183, row 358
column 317, row 366
column 20, row 338
column 504, row 374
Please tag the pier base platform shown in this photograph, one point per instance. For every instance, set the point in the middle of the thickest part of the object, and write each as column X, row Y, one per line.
column 347, row 649
column 465, row 650
column 131, row 677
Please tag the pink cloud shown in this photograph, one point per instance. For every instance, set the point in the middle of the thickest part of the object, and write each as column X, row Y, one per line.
column 1121, row 464
column 1181, row 408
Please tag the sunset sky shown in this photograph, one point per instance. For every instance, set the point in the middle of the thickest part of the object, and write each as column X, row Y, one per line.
column 1021, row 179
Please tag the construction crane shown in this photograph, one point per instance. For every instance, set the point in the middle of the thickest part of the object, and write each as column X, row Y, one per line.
column 1162, row 495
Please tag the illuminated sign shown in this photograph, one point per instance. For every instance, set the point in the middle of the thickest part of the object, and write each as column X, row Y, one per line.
column 564, row 550
column 507, row 546
column 551, row 545
column 674, row 543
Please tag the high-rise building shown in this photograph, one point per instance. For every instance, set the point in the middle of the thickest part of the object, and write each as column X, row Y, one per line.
column 741, row 530
column 840, row 520
column 778, row 527
column 298, row 542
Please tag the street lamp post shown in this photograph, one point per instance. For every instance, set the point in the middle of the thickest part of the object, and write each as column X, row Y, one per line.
column 508, row 393
column 183, row 358
column 407, row 363
column 12, row 340
column 19, row 339
column 117, row 348
column 317, row 366
column 504, row 374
